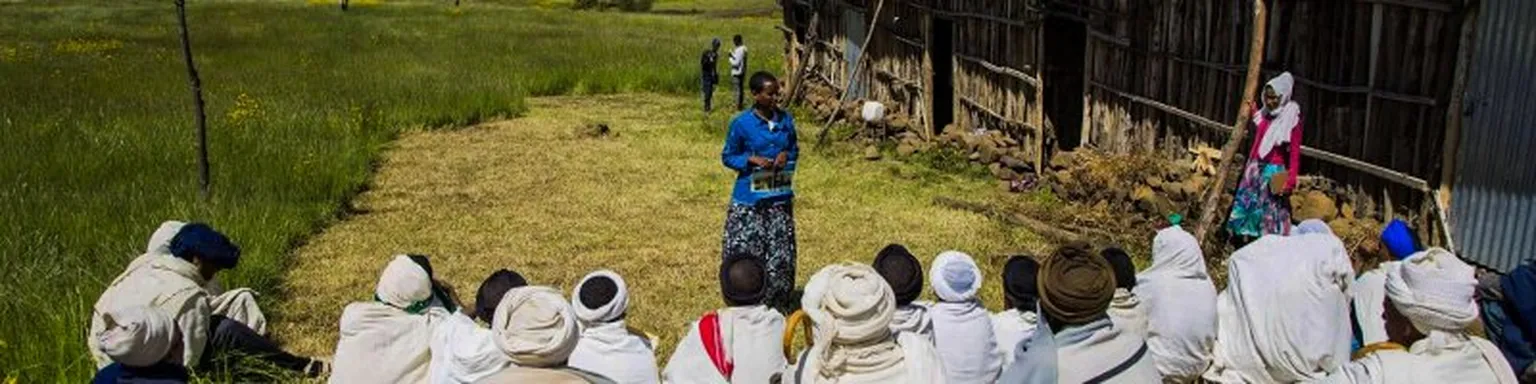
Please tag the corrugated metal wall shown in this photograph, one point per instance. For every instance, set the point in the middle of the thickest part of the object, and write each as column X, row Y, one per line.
column 1494, row 201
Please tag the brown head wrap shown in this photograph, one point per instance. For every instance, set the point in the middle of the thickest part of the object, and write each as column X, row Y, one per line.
column 1076, row 285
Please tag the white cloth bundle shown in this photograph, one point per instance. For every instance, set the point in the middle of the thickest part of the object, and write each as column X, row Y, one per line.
column 752, row 334
column 913, row 318
column 240, row 305
column 1180, row 303
column 611, row 311
column 382, row 343
column 852, row 307
column 1092, row 350
column 535, row 327
column 463, row 352
column 962, row 328
column 137, row 336
column 873, row 111
column 1011, row 327
column 1285, row 314
column 1435, row 290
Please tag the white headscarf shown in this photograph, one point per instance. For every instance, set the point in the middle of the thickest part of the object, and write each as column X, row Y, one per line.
column 1369, row 294
column 1435, row 290
column 1180, row 303
column 611, row 311
column 535, row 327
column 388, row 341
column 1285, row 314
column 1284, row 119
column 962, row 328
column 913, row 318
column 160, row 241
column 955, row 276
column 137, row 336
column 755, row 337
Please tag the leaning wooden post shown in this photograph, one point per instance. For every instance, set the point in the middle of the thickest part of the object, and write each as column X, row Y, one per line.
column 196, row 83
column 821, row 137
column 1209, row 212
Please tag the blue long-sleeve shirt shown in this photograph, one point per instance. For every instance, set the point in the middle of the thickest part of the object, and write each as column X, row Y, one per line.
column 750, row 135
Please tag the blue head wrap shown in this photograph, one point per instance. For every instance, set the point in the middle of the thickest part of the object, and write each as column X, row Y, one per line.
column 198, row 240
column 1399, row 239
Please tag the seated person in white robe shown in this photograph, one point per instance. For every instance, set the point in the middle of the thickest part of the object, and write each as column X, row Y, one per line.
column 139, row 340
column 537, row 330
column 962, row 328
column 742, row 343
column 462, row 350
column 1430, row 303
column 1076, row 287
column 851, row 308
column 388, row 340
column 607, row 347
column 238, row 304
column 905, row 275
column 172, row 276
column 1180, row 304
column 1284, row 316
column 1125, row 309
column 1020, row 292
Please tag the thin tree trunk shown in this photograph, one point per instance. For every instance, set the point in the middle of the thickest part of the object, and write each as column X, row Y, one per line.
column 343, row 5
column 196, row 83
column 1209, row 214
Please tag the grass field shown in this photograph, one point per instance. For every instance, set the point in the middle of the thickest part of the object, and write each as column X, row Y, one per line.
column 98, row 145
column 649, row 203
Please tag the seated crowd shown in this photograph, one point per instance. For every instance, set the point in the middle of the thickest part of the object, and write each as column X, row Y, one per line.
column 1294, row 310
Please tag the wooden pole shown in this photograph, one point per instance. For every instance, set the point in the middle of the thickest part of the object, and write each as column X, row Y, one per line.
column 803, row 63
column 196, row 84
column 1209, row 213
column 821, row 137
column 1453, row 119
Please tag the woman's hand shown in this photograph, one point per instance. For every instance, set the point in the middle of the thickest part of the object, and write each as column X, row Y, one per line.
column 782, row 160
column 760, row 162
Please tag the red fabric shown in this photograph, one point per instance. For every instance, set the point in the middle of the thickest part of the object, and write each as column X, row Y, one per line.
column 1292, row 164
column 714, row 344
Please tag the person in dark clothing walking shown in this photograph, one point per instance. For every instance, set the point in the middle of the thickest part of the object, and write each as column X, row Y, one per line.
column 739, row 70
column 708, row 72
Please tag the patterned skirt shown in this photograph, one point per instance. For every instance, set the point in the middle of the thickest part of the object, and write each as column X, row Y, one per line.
column 1256, row 211
column 766, row 231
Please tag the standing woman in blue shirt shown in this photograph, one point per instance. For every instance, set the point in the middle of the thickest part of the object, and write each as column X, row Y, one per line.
column 761, row 147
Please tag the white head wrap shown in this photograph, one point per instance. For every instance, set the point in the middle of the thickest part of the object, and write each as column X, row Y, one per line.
column 607, row 312
column 955, row 276
column 403, row 283
column 852, row 307
column 160, row 241
column 535, row 327
column 1435, row 290
column 1175, row 254
column 1285, row 118
column 1311, row 226
column 137, row 336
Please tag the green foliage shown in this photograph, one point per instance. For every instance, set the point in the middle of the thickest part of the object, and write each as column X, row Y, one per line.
column 98, row 141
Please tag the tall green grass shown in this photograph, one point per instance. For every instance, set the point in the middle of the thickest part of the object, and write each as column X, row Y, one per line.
column 97, row 145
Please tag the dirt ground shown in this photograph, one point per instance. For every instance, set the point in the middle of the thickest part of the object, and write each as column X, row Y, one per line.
column 533, row 195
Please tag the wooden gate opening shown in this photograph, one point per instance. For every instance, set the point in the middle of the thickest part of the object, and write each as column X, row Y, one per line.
column 941, row 53
column 1066, row 42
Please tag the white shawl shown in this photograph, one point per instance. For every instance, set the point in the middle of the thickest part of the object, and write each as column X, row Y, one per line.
column 168, row 284
column 137, row 336
column 1090, row 350
column 463, row 352
column 1285, row 119
column 382, row 343
column 852, row 308
column 914, row 318
column 1011, row 327
column 1180, row 304
column 1368, row 295
column 1465, row 362
column 754, row 334
column 1285, row 314
column 1128, row 314
column 609, row 349
column 962, row 328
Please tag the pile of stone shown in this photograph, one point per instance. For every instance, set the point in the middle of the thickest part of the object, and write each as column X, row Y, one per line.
column 1152, row 186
